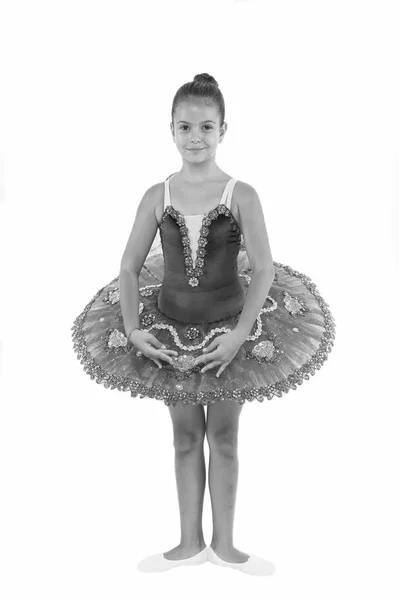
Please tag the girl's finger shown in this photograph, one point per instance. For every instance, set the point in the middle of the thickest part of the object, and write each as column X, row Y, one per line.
column 167, row 358
column 222, row 368
column 209, row 366
column 156, row 361
column 163, row 347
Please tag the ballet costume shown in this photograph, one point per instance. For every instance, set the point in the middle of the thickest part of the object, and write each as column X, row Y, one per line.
column 192, row 290
column 193, row 286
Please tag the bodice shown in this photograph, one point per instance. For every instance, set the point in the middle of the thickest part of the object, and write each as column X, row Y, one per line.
column 201, row 282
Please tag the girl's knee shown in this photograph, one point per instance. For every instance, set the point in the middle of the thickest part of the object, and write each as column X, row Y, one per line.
column 185, row 441
column 223, row 439
column 188, row 427
column 222, row 427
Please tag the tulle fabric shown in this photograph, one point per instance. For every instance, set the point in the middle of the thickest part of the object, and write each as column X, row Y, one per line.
column 289, row 341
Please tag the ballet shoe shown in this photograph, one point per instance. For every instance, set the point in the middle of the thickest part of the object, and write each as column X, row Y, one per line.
column 253, row 566
column 158, row 562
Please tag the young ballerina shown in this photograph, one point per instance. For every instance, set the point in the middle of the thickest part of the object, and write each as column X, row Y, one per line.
column 231, row 324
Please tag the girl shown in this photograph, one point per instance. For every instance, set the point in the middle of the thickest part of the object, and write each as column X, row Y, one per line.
column 230, row 324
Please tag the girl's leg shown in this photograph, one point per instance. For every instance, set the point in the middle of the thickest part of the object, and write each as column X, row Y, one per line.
column 188, row 440
column 222, row 435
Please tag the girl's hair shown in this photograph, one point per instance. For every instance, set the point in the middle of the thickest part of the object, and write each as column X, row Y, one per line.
column 203, row 86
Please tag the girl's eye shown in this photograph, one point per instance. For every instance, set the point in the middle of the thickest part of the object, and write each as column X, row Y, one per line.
column 181, row 126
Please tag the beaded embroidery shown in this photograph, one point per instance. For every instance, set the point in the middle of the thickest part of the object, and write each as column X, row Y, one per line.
column 113, row 296
column 194, row 272
column 294, row 305
column 264, row 350
column 116, row 338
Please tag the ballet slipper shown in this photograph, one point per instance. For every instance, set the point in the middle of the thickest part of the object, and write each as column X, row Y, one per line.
column 158, row 562
column 253, row 566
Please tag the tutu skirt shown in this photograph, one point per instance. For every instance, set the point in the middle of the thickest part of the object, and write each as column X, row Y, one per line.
column 289, row 341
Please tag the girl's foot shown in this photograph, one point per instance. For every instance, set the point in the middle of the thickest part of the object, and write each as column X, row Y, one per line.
column 230, row 554
column 182, row 552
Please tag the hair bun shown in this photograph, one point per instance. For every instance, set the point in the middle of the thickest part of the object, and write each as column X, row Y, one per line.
column 205, row 78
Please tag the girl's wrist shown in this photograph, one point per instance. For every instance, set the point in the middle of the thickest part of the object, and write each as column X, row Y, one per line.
column 134, row 329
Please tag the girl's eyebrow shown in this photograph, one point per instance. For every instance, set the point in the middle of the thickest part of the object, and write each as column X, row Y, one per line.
column 207, row 121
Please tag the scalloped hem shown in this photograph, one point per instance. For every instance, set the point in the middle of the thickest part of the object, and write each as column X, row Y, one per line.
column 205, row 398
column 222, row 394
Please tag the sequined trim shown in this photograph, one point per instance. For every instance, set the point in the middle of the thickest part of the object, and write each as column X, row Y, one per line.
column 264, row 351
column 194, row 272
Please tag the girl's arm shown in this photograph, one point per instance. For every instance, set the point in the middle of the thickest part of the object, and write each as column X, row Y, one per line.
column 256, row 239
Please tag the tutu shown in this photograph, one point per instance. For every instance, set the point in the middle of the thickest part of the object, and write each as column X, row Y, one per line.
column 186, row 306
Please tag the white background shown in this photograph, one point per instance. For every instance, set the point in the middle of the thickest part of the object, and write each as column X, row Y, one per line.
column 87, row 474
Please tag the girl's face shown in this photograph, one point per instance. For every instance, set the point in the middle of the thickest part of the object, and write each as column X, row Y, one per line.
column 196, row 130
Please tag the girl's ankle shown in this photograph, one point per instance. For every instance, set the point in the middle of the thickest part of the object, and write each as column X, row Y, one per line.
column 198, row 545
column 224, row 547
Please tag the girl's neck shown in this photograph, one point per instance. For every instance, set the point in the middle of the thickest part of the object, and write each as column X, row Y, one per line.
column 197, row 177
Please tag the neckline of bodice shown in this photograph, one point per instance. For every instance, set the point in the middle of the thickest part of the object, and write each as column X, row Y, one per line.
column 194, row 267
column 171, row 209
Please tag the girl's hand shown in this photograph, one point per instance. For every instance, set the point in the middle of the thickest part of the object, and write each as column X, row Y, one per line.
column 224, row 347
column 148, row 345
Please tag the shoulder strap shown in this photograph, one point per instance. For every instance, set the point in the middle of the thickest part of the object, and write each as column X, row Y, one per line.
column 226, row 196
column 228, row 192
column 166, row 198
